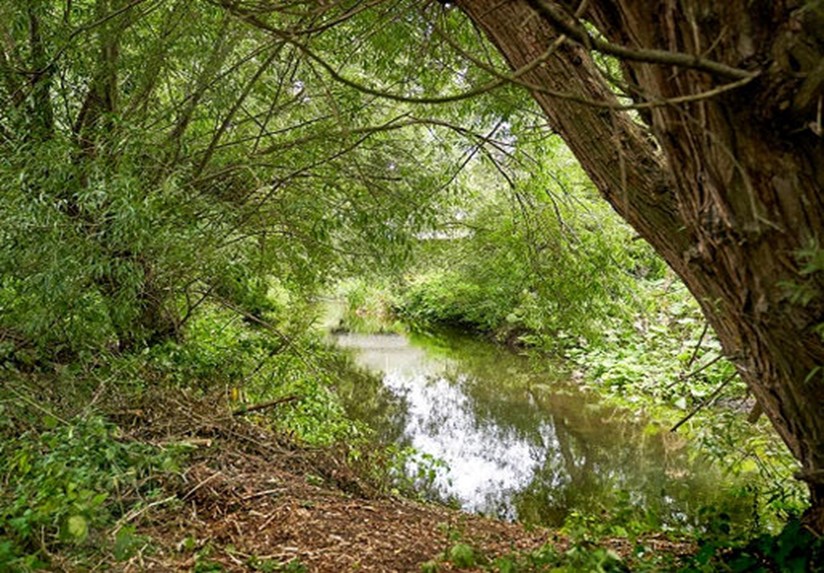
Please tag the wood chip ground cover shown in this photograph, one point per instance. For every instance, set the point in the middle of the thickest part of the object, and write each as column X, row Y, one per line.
column 250, row 500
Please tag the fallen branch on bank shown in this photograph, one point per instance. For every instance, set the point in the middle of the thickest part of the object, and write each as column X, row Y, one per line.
column 265, row 405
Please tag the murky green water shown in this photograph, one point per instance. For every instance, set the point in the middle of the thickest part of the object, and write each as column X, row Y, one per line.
column 520, row 440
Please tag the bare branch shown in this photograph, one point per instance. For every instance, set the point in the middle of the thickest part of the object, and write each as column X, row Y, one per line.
column 706, row 402
column 265, row 405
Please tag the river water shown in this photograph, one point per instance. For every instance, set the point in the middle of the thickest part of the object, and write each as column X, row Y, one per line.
column 519, row 439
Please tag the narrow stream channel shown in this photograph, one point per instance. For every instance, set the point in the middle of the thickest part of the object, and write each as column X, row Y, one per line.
column 521, row 441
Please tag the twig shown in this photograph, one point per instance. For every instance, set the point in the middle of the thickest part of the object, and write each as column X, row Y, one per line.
column 685, row 377
column 269, row 519
column 200, row 485
column 248, row 316
column 134, row 514
column 265, row 405
column 263, row 493
column 36, row 405
column 698, row 346
column 706, row 402
column 188, row 442
column 304, row 48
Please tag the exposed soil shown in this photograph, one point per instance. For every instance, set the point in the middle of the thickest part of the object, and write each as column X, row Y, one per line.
column 250, row 499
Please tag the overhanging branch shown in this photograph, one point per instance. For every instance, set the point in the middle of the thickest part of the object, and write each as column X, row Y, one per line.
column 553, row 14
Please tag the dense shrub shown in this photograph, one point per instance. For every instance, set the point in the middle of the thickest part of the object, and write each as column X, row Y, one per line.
column 64, row 487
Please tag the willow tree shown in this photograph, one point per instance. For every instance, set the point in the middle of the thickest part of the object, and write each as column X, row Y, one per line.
column 714, row 154
column 145, row 136
column 158, row 153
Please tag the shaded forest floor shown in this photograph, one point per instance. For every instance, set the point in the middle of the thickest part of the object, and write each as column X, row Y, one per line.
column 251, row 500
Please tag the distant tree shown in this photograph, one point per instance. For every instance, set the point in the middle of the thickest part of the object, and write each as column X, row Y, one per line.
column 714, row 153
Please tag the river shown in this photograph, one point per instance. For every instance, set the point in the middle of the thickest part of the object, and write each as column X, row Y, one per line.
column 521, row 441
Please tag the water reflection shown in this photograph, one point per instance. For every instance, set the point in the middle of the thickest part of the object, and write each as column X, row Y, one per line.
column 520, row 442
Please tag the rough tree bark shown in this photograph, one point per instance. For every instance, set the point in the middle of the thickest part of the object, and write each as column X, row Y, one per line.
column 727, row 188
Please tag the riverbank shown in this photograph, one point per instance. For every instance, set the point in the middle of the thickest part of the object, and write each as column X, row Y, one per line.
column 249, row 499
column 186, row 468
column 181, row 481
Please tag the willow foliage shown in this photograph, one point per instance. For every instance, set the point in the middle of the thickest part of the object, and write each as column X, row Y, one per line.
column 156, row 152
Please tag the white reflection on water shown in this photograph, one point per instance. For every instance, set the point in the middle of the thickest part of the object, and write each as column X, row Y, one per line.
column 484, row 459
column 487, row 462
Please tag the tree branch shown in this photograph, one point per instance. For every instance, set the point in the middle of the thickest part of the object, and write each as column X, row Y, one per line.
column 611, row 105
column 574, row 30
column 337, row 76
column 706, row 402
column 265, row 405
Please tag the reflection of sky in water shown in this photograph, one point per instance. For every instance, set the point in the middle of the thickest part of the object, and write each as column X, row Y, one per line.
column 514, row 445
column 487, row 462
column 386, row 353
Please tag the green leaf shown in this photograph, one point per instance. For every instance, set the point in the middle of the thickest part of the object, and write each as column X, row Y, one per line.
column 78, row 527
column 99, row 499
column 125, row 543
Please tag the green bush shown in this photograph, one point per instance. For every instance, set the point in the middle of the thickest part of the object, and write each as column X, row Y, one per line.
column 669, row 365
column 448, row 298
column 538, row 261
column 64, row 486
column 462, row 556
column 793, row 549
column 368, row 307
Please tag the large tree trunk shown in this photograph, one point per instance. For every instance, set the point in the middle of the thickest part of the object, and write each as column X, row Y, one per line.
column 726, row 188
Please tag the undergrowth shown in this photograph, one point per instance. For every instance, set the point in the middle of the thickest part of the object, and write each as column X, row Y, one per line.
column 72, row 487
column 668, row 365
column 589, row 545
column 73, row 484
